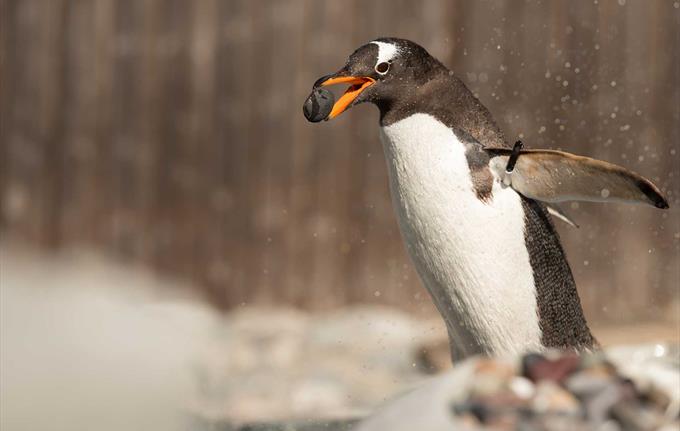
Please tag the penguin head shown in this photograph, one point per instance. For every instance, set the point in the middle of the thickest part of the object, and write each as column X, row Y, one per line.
column 380, row 72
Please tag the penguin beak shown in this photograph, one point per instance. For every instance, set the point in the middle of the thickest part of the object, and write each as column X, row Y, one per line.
column 357, row 85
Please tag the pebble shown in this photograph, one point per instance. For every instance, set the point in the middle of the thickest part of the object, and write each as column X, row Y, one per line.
column 561, row 391
column 550, row 397
column 318, row 105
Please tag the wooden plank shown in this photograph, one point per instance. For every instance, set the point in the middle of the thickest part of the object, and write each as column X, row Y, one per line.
column 233, row 90
column 8, row 60
column 307, row 145
column 101, row 179
column 205, row 194
column 52, row 120
column 173, row 177
column 79, row 106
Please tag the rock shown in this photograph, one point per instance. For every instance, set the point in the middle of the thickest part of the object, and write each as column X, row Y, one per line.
column 491, row 377
column 522, row 387
column 537, row 367
column 654, row 368
column 567, row 392
column 318, row 394
column 634, row 417
column 318, row 105
column 586, row 383
column 434, row 356
column 329, row 425
column 551, row 398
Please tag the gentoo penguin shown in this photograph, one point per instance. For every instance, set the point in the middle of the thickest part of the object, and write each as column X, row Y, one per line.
column 473, row 212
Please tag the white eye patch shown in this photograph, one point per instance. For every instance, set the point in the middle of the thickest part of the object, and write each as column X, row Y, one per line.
column 386, row 51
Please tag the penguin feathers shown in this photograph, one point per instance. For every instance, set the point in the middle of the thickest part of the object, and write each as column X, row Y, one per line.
column 557, row 176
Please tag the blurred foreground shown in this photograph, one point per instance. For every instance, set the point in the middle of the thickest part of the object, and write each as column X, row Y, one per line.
column 88, row 340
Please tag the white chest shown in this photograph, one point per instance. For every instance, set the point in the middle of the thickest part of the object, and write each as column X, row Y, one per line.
column 471, row 255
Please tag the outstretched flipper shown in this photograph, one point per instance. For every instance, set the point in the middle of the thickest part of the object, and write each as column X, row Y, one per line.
column 557, row 176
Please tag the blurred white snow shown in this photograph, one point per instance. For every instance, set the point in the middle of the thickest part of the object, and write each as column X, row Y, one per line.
column 86, row 345
column 91, row 343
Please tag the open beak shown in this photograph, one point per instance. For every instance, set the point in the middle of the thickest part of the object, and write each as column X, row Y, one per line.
column 357, row 85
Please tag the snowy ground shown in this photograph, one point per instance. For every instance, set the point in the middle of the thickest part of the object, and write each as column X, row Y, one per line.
column 84, row 338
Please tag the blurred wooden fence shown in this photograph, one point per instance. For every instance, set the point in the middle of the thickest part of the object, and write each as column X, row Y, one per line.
column 169, row 132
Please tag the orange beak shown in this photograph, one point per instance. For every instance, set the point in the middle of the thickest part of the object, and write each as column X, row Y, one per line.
column 358, row 84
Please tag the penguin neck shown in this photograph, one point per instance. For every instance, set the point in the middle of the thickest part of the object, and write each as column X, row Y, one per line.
column 445, row 97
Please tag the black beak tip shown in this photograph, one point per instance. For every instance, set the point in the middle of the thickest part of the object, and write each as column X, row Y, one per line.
column 318, row 105
column 321, row 80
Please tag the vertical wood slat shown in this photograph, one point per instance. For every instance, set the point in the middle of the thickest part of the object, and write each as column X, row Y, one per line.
column 117, row 130
column 175, row 175
column 230, row 267
column 78, row 148
column 104, row 58
column 203, row 71
column 299, row 199
column 53, row 122
column 663, row 101
column 7, row 83
column 170, row 132
column 21, row 146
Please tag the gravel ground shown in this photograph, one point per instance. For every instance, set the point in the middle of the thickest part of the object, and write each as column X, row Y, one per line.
column 79, row 330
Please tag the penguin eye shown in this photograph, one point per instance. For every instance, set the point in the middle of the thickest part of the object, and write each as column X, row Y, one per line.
column 382, row 68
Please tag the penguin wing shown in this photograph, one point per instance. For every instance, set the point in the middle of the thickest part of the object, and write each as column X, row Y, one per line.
column 556, row 176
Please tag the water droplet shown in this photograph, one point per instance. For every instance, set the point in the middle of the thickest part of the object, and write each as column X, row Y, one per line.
column 659, row 349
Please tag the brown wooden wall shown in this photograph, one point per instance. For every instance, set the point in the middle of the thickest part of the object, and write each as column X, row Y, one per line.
column 170, row 132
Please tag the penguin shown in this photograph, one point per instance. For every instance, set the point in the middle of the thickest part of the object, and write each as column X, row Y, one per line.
column 474, row 213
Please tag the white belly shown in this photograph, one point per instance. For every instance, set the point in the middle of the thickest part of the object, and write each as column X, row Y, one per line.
column 471, row 255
